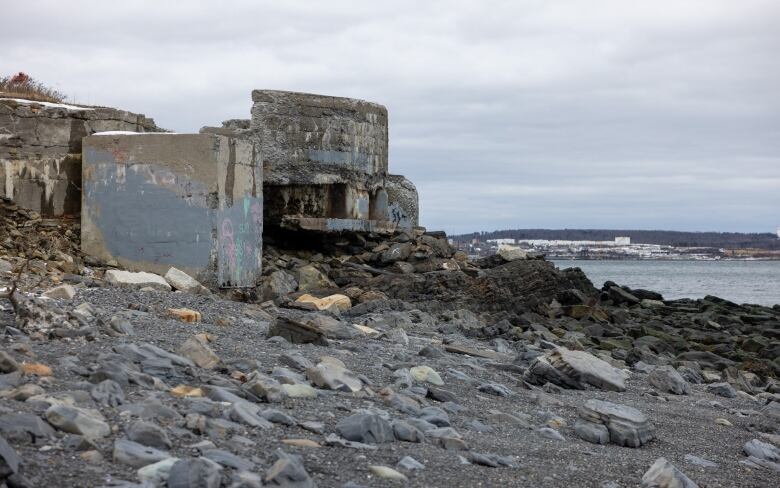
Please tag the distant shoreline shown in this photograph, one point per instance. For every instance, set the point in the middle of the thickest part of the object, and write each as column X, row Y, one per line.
column 731, row 260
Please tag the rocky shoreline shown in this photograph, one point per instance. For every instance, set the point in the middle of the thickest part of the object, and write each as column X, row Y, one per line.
column 373, row 362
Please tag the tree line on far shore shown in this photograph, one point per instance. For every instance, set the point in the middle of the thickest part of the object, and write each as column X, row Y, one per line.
column 726, row 240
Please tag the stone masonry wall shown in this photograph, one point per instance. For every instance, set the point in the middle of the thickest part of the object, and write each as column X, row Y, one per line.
column 40, row 150
column 193, row 201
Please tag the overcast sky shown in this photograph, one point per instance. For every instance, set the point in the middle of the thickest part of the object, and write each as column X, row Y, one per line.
column 506, row 114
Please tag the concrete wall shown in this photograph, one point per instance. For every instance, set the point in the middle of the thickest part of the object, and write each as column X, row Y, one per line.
column 40, row 150
column 193, row 201
column 302, row 128
column 403, row 201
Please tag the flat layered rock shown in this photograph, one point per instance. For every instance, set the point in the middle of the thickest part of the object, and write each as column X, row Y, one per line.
column 575, row 369
column 663, row 474
column 626, row 426
column 141, row 279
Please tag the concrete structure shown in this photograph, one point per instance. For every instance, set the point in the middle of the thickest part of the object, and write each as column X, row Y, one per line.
column 40, row 150
column 192, row 201
column 325, row 164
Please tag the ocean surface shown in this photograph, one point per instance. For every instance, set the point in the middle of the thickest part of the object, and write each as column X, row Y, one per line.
column 739, row 281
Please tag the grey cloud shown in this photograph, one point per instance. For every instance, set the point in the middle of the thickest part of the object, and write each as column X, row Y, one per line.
column 506, row 114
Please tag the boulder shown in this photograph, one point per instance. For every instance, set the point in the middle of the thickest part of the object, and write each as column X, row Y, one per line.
column 310, row 278
column 574, row 369
column 367, row 428
column 332, row 303
column 278, row 283
column 74, row 420
column 197, row 350
column 288, row 471
column 667, row 380
column 195, row 473
column 663, row 474
column 334, row 377
column 313, row 328
column 63, row 292
column 627, row 426
column 722, row 389
column 510, row 253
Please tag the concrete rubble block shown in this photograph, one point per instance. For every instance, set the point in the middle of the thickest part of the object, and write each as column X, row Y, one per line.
column 139, row 280
column 179, row 280
column 189, row 201
column 40, row 150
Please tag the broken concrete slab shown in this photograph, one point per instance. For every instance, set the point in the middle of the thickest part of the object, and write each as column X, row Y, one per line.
column 141, row 279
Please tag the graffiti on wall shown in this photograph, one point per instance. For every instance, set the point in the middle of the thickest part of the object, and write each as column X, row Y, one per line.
column 398, row 216
column 240, row 231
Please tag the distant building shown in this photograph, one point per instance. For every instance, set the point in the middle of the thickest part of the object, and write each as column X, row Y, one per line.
column 778, row 232
column 626, row 241
column 501, row 242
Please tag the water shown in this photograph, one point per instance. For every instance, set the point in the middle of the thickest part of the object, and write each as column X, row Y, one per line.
column 738, row 281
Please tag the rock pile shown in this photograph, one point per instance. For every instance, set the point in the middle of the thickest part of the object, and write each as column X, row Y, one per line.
column 374, row 363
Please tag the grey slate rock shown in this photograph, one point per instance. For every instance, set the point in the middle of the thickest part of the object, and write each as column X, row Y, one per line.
column 228, row 459
column 722, row 389
column 367, row 428
column 278, row 417
column 410, row 464
column 662, row 474
column 496, row 389
column 667, row 380
column 9, row 459
column 136, row 455
column 195, row 473
column 696, row 460
column 435, row 416
column 440, row 394
column 245, row 479
column 25, row 426
column 77, row 421
column 108, row 393
column 491, row 460
column 288, row 471
column 406, row 432
column 627, row 426
column 247, row 413
column 148, row 434
column 762, row 450
column 551, row 433
column 591, row 432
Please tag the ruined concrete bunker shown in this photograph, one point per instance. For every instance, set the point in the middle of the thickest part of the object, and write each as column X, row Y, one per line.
column 149, row 200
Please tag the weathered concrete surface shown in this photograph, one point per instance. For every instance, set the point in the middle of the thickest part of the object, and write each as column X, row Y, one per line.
column 303, row 128
column 40, row 150
column 192, row 201
column 325, row 158
column 332, row 226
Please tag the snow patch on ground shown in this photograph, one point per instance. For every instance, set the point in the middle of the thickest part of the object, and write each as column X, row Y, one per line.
column 48, row 104
column 129, row 133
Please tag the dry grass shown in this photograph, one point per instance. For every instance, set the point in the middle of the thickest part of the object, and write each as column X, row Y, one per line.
column 23, row 86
